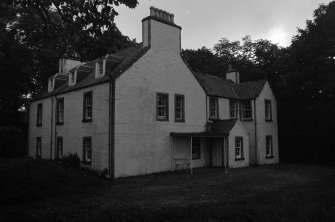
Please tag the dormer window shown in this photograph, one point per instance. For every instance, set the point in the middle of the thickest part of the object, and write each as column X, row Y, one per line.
column 72, row 77
column 100, row 68
column 51, row 84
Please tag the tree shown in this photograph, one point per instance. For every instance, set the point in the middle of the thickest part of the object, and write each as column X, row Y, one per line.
column 35, row 33
column 308, row 104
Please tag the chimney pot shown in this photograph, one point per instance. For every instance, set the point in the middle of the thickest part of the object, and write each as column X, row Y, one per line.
column 172, row 18
column 152, row 11
column 168, row 17
column 164, row 15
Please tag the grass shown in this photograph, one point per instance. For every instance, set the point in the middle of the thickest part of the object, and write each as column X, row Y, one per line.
column 37, row 190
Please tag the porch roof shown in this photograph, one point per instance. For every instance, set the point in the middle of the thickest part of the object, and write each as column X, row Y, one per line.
column 199, row 134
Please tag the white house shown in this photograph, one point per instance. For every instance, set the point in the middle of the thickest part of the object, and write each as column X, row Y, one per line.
column 142, row 110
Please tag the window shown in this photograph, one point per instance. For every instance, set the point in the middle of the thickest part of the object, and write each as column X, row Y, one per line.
column 39, row 114
column 213, row 108
column 195, row 148
column 239, row 148
column 87, row 150
column 88, row 103
column 246, row 110
column 38, row 147
column 59, row 148
column 72, row 78
column 60, row 111
column 269, row 147
column 162, row 104
column 51, row 84
column 179, row 102
column 268, row 110
column 99, row 68
column 232, row 109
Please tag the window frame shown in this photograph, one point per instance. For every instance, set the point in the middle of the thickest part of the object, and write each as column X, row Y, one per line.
column 38, row 147
column 59, row 112
column 216, row 108
column 270, row 154
column 182, row 108
column 85, row 159
column 74, row 75
column 100, row 68
column 86, row 107
column 241, row 155
column 234, row 109
column 243, row 110
column 268, row 102
column 59, row 141
column 39, row 119
column 162, row 118
column 196, row 141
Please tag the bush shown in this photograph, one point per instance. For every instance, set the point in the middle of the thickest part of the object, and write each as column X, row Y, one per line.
column 11, row 142
column 71, row 161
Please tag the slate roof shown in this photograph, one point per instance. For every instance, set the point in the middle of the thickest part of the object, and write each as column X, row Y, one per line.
column 220, row 128
column 217, row 86
column 127, row 58
column 223, row 126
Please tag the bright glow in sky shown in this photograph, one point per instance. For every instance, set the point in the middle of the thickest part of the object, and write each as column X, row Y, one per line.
column 205, row 22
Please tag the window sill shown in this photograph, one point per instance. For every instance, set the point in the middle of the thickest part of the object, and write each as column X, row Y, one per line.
column 247, row 120
column 87, row 120
column 164, row 120
column 198, row 158
column 268, row 120
column 269, row 157
column 86, row 162
column 239, row 159
column 38, row 124
column 213, row 118
column 59, row 123
column 180, row 121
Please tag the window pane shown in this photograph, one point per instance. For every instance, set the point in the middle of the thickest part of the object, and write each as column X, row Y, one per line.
column 162, row 106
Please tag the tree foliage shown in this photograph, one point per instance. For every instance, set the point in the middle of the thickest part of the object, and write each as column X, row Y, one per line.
column 35, row 33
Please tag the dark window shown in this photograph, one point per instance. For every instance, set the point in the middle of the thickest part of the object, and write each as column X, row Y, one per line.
column 195, row 148
column 59, row 148
column 162, row 106
column 87, row 150
column 246, row 110
column 239, row 148
column 39, row 114
column 213, row 108
column 179, row 101
column 100, row 68
column 60, row 111
column 269, row 147
column 88, row 103
column 38, row 147
column 233, row 109
column 268, row 110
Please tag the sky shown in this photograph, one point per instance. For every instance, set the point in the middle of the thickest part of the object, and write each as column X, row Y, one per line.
column 205, row 22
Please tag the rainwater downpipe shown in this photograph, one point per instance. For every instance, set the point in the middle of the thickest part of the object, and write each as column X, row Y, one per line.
column 111, row 128
column 51, row 127
column 255, row 131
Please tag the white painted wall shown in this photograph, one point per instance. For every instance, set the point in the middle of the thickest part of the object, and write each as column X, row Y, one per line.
column 238, row 131
column 143, row 144
column 74, row 129
column 43, row 131
column 266, row 128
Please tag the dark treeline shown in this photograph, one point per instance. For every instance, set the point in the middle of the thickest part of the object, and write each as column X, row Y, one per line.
column 301, row 75
column 35, row 33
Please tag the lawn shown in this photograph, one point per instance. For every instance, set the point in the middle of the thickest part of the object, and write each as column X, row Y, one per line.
column 37, row 190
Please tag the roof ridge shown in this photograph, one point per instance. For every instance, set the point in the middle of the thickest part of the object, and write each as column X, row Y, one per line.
column 261, row 80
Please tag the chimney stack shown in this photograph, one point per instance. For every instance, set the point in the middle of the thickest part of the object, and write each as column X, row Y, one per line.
column 233, row 74
column 159, row 32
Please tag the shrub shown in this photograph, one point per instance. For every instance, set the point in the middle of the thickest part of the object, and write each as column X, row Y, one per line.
column 11, row 142
column 71, row 161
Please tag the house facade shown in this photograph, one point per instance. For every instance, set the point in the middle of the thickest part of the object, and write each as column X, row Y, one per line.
column 142, row 110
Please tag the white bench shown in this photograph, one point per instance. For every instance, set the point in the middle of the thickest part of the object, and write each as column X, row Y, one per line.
column 181, row 163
